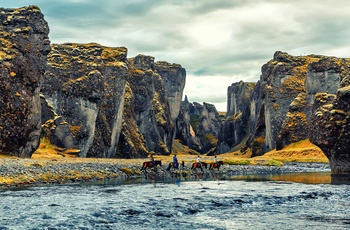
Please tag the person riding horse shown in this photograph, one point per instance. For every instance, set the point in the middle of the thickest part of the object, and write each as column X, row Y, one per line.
column 175, row 162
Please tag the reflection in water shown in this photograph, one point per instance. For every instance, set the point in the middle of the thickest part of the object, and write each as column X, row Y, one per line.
column 306, row 177
column 340, row 179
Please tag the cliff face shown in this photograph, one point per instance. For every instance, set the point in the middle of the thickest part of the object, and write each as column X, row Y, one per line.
column 151, row 107
column 85, row 84
column 174, row 79
column 296, row 98
column 275, row 120
column 236, row 124
column 24, row 45
column 331, row 121
column 185, row 133
column 198, row 126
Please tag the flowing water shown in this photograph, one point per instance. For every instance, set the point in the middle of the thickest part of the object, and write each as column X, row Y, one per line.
column 288, row 201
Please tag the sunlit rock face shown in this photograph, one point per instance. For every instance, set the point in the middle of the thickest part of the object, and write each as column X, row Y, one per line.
column 150, row 105
column 85, row 85
column 24, row 45
column 331, row 121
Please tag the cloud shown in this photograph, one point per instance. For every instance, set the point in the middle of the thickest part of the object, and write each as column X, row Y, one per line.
column 218, row 42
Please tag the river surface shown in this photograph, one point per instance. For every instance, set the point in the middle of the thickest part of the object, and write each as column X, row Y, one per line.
column 285, row 201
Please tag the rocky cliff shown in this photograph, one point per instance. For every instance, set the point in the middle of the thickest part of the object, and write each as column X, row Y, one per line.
column 281, row 104
column 235, row 127
column 85, row 85
column 174, row 79
column 151, row 107
column 330, row 123
column 198, row 126
column 24, row 45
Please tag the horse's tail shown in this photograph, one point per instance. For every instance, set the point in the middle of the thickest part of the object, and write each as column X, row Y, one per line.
column 143, row 167
column 193, row 165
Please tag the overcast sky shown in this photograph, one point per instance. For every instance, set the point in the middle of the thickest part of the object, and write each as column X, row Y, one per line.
column 218, row 42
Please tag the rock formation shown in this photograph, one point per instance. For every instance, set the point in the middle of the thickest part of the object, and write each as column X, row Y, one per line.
column 331, row 122
column 235, row 127
column 198, row 126
column 151, row 106
column 174, row 79
column 24, row 45
column 298, row 98
column 85, row 85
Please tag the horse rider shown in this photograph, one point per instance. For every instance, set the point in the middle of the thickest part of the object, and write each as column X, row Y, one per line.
column 175, row 162
column 152, row 160
column 199, row 160
column 215, row 160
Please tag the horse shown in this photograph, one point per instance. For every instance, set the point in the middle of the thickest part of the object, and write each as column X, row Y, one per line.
column 149, row 164
column 216, row 165
column 172, row 165
column 196, row 165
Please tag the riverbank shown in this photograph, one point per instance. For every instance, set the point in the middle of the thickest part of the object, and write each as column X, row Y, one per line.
column 55, row 167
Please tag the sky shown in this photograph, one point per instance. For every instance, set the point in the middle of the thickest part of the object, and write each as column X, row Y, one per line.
column 218, row 42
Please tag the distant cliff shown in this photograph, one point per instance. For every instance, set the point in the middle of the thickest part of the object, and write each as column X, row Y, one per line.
column 24, row 45
column 198, row 126
column 235, row 127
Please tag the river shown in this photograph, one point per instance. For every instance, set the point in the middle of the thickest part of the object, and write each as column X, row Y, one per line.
column 301, row 200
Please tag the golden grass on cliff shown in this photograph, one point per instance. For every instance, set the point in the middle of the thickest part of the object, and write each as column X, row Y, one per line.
column 302, row 151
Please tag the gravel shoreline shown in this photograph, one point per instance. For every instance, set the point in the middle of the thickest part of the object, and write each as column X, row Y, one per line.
column 18, row 172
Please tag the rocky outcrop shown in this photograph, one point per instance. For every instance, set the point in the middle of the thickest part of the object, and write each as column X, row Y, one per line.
column 174, row 79
column 298, row 98
column 273, row 115
column 85, row 85
column 185, row 133
column 235, row 127
column 131, row 143
column 331, row 122
column 199, row 126
column 151, row 107
column 24, row 45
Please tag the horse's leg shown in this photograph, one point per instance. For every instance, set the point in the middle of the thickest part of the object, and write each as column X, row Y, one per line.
column 168, row 169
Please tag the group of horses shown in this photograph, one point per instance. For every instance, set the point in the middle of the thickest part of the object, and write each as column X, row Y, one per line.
column 172, row 165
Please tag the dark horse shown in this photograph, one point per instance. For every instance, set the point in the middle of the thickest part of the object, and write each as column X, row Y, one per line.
column 196, row 165
column 172, row 165
column 216, row 165
column 149, row 164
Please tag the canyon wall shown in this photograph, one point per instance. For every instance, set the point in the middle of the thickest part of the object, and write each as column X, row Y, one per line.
column 24, row 45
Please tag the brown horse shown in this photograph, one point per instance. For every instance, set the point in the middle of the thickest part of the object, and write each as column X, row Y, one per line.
column 196, row 165
column 149, row 164
column 172, row 165
column 216, row 165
